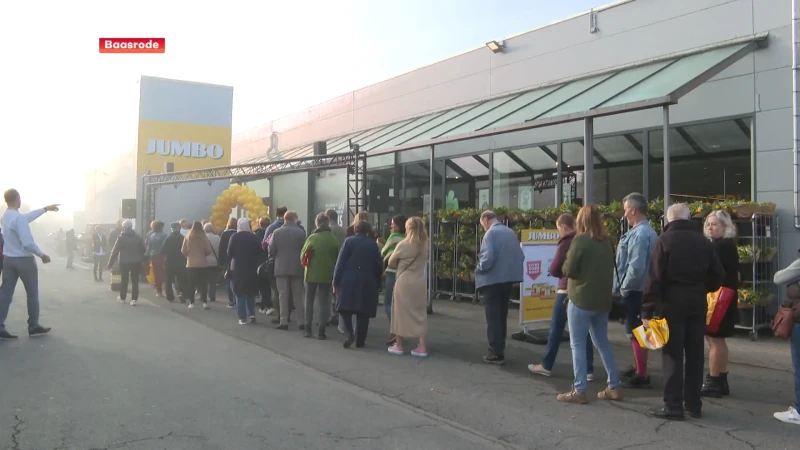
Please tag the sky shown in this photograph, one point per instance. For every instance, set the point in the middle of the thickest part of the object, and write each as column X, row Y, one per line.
column 66, row 108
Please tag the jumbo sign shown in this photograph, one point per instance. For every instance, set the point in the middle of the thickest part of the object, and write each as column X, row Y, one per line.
column 186, row 149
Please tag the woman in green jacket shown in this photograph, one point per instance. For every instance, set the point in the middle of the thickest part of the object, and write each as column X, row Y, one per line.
column 319, row 256
column 589, row 269
column 397, row 236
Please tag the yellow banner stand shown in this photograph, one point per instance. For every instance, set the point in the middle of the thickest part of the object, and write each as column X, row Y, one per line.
column 538, row 289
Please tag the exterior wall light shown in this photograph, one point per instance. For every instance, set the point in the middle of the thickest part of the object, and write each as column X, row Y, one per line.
column 496, row 47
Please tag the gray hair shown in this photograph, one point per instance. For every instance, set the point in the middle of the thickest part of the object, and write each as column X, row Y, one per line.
column 678, row 211
column 636, row 200
column 127, row 225
column 208, row 228
column 322, row 220
column 725, row 219
column 290, row 216
column 488, row 215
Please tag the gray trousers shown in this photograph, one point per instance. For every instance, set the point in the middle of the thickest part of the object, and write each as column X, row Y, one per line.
column 290, row 289
column 321, row 292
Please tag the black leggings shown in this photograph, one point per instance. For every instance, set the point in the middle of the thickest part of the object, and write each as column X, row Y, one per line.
column 130, row 273
column 198, row 277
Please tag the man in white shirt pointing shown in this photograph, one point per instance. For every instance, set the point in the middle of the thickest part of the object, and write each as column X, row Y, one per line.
column 19, row 262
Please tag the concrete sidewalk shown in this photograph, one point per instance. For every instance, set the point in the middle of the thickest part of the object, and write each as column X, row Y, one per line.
column 511, row 405
column 767, row 352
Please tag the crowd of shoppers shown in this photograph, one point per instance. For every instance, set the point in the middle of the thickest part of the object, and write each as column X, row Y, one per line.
column 668, row 275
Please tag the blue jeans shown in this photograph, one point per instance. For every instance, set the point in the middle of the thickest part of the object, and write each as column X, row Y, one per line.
column 795, row 340
column 15, row 269
column 246, row 306
column 595, row 323
column 388, row 292
column 557, row 325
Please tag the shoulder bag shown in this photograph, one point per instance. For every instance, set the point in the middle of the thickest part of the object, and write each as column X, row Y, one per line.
column 783, row 324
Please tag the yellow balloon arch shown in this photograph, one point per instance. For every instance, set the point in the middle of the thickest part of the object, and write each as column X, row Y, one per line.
column 230, row 198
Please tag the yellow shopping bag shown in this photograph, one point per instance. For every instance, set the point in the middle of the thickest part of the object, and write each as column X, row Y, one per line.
column 151, row 276
column 655, row 337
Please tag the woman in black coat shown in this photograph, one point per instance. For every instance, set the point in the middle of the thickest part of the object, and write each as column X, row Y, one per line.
column 355, row 283
column 245, row 253
column 720, row 230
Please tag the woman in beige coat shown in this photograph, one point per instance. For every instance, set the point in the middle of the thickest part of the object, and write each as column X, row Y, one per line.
column 409, row 303
column 197, row 248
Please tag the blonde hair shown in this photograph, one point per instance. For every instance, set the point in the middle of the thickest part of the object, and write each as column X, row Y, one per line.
column 415, row 231
column 196, row 234
column 362, row 216
column 725, row 219
column 590, row 222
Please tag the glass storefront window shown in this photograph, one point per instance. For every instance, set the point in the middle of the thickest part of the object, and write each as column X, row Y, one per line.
column 382, row 198
column 515, row 174
column 291, row 190
column 330, row 192
column 414, row 184
column 707, row 161
column 467, row 182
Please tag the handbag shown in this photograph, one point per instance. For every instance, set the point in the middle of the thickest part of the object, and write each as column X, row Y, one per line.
column 655, row 336
column 307, row 256
column 718, row 304
column 783, row 324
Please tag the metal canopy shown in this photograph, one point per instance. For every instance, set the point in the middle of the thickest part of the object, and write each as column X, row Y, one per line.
column 643, row 85
column 355, row 162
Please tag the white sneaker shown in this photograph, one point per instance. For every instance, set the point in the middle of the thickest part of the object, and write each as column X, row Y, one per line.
column 789, row 416
column 158, row 294
column 205, row 305
column 119, row 299
column 191, row 305
column 269, row 311
column 589, row 377
column 242, row 322
column 133, row 302
column 539, row 370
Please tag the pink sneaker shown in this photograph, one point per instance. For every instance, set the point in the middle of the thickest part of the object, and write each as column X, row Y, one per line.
column 396, row 350
column 419, row 352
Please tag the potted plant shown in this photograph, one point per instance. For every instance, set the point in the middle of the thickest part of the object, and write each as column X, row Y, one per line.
column 700, row 209
column 746, row 254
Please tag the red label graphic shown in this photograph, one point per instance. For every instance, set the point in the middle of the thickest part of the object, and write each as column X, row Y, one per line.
column 534, row 269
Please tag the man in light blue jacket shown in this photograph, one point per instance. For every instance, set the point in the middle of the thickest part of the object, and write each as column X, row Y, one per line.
column 633, row 260
column 500, row 266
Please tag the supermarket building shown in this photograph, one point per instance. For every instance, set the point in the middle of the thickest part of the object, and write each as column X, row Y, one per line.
column 508, row 124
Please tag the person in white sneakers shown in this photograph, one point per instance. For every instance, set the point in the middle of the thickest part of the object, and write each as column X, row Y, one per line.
column 790, row 277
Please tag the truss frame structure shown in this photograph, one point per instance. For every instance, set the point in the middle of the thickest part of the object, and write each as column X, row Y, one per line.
column 355, row 162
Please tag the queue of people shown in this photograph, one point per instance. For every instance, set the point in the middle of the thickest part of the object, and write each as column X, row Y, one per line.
column 288, row 269
column 668, row 275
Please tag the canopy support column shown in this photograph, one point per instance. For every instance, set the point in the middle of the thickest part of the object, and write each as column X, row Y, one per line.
column 559, row 174
column 588, row 159
column 431, row 218
column 666, row 158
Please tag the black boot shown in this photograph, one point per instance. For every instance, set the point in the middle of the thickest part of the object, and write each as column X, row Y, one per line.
column 712, row 387
column 321, row 336
column 726, row 390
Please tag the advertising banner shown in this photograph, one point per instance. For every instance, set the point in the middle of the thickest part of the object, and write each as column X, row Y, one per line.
column 184, row 123
column 187, row 146
column 538, row 288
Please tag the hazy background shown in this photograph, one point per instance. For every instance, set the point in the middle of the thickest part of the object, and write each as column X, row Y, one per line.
column 67, row 108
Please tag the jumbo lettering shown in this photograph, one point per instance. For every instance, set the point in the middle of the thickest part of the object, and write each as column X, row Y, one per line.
column 187, row 149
